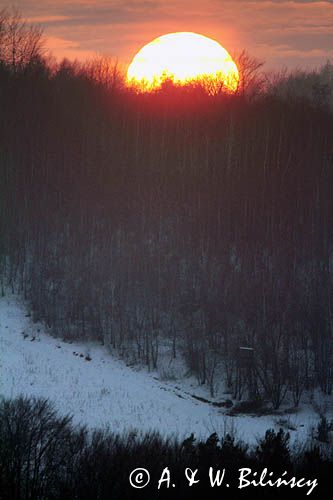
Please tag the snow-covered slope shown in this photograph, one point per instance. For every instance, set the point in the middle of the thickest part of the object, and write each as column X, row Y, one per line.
column 103, row 391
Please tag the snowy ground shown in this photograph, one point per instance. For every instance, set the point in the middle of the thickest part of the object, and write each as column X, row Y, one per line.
column 104, row 392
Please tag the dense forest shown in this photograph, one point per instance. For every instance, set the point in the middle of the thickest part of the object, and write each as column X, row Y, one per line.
column 183, row 220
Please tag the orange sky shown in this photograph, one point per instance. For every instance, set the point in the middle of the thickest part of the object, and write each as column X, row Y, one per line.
column 283, row 33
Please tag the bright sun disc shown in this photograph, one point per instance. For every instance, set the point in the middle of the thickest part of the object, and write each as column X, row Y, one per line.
column 182, row 57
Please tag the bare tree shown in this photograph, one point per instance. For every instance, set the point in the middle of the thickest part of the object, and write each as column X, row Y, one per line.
column 105, row 71
column 251, row 79
column 20, row 43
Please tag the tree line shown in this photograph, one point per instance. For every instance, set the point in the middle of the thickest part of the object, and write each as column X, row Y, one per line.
column 177, row 219
column 44, row 456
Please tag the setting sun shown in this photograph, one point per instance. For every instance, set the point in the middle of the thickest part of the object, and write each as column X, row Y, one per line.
column 182, row 58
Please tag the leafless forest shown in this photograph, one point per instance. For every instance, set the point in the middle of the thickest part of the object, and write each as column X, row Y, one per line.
column 181, row 220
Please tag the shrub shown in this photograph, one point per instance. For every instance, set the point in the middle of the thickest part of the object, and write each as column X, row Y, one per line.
column 273, row 451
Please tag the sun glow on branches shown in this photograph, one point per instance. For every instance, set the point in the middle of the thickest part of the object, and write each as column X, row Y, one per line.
column 183, row 58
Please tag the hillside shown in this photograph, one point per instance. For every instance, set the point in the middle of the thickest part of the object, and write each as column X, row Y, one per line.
column 105, row 392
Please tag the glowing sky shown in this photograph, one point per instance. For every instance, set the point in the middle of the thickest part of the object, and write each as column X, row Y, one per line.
column 283, row 33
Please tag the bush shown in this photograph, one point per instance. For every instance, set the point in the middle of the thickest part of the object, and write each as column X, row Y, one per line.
column 248, row 407
column 273, row 451
column 323, row 430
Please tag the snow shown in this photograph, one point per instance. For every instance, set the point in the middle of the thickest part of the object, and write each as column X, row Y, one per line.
column 104, row 392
